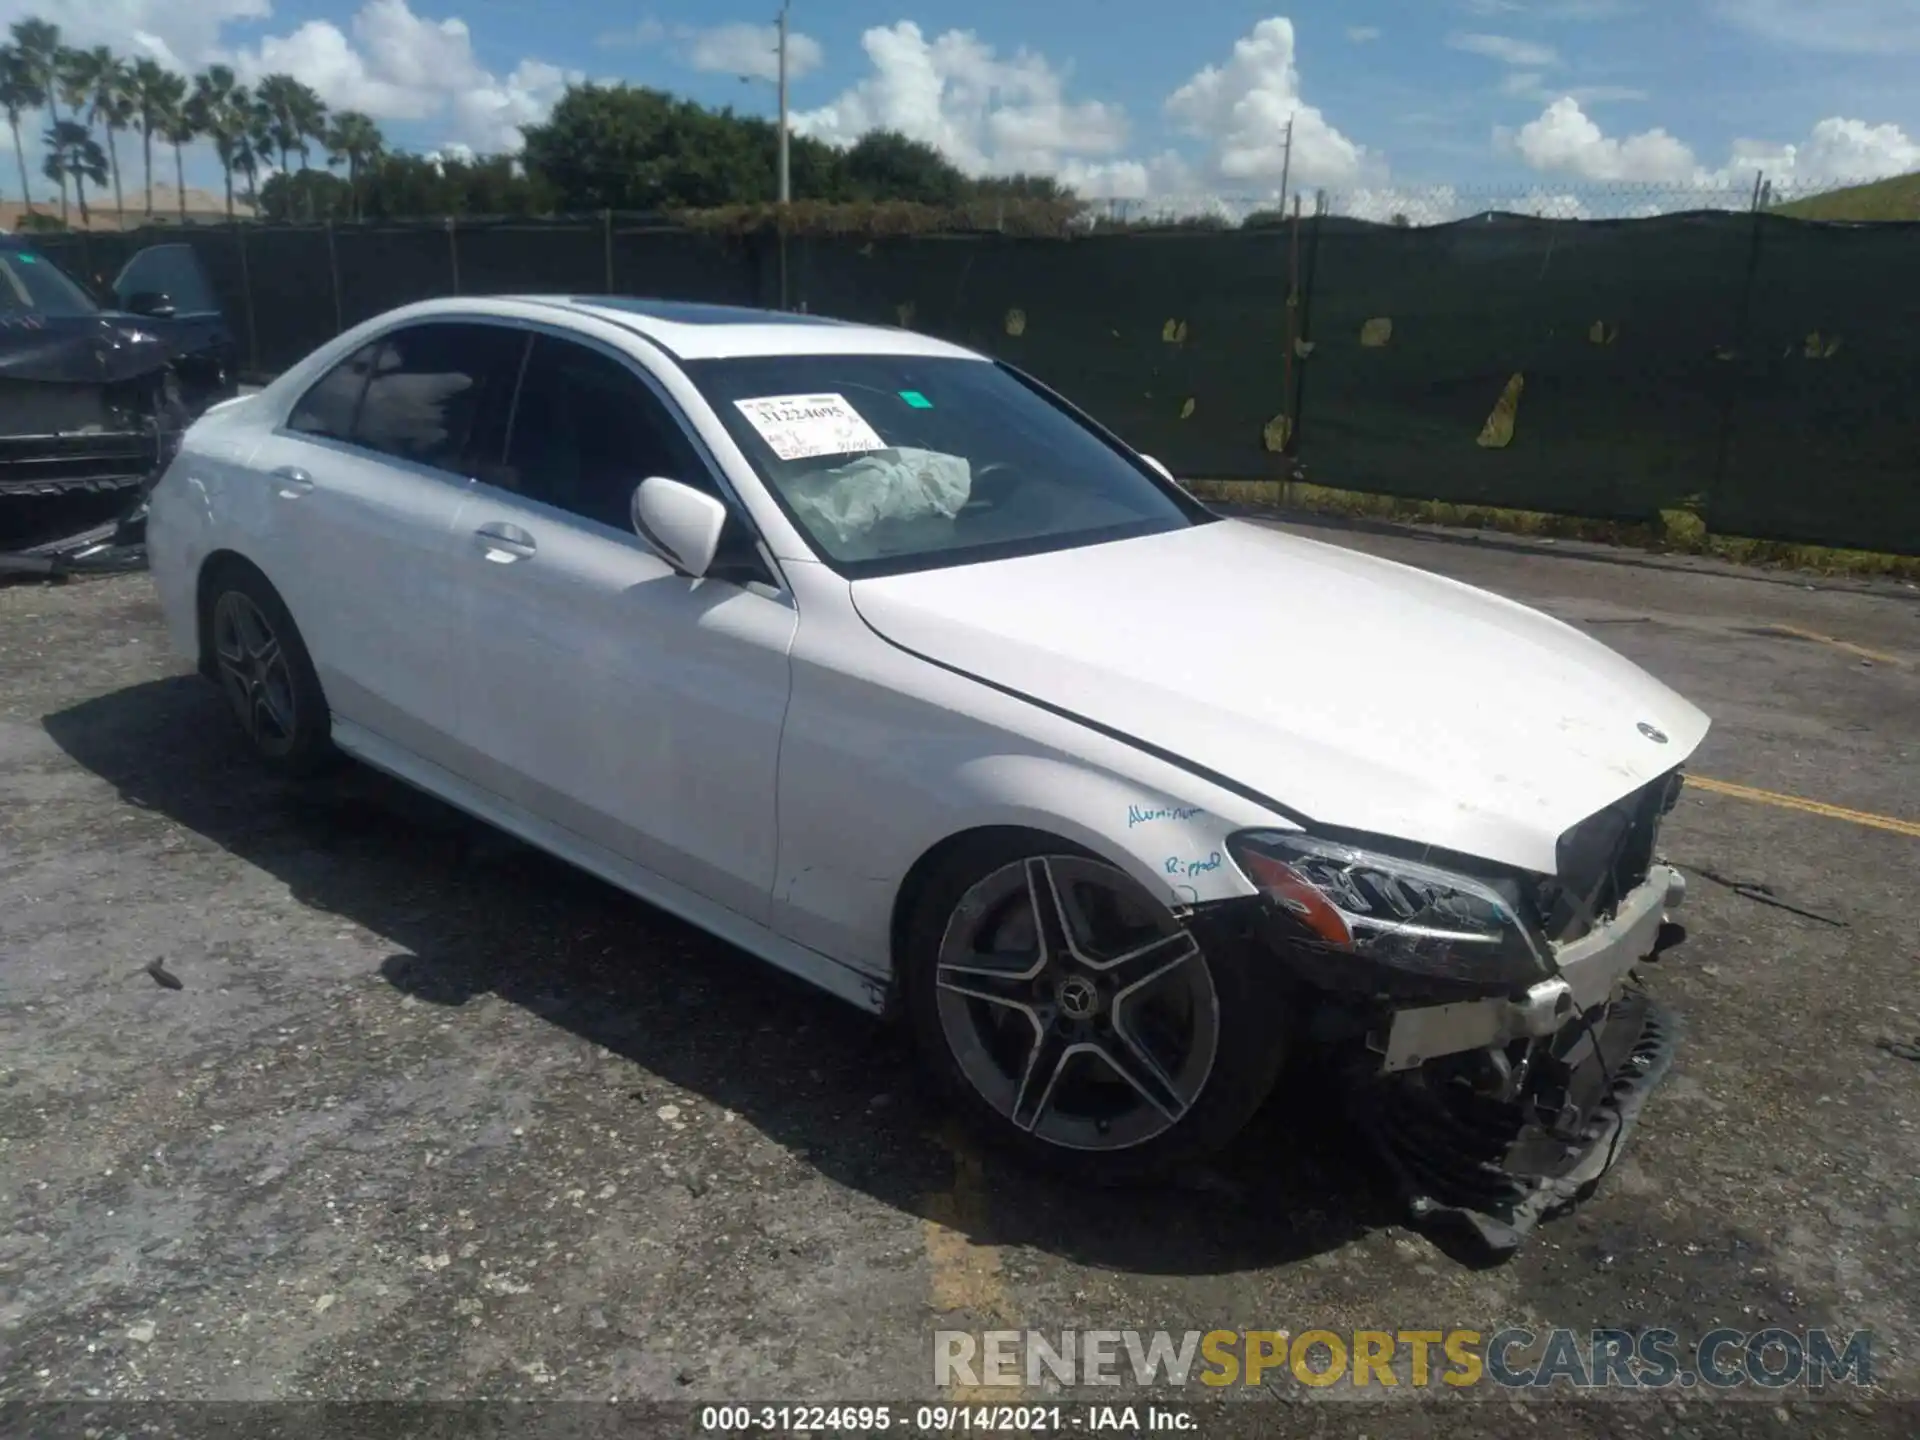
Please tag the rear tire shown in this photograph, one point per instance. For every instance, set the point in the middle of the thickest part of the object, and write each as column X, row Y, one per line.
column 261, row 665
column 1072, row 1019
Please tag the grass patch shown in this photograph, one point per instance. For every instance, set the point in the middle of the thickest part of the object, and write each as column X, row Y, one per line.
column 1895, row 199
column 1679, row 532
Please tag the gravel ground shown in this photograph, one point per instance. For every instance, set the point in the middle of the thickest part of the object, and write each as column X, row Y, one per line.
column 432, row 1117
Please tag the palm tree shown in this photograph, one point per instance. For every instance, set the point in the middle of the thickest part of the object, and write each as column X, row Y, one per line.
column 19, row 93
column 296, row 113
column 104, row 85
column 179, row 124
column 356, row 139
column 37, row 43
column 147, row 87
column 72, row 152
column 218, row 111
column 257, row 145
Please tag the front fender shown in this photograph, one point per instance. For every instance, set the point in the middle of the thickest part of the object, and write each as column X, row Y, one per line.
column 883, row 761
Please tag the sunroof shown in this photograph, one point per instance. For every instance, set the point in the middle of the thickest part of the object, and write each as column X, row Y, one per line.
column 694, row 312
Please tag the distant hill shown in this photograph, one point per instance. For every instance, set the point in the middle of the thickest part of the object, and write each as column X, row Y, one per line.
column 1895, row 199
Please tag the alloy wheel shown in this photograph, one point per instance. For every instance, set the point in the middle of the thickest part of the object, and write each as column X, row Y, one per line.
column 254, row 673
column 1075, row 1005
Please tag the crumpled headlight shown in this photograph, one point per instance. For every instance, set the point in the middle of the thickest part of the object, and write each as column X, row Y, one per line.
column 1402, row 914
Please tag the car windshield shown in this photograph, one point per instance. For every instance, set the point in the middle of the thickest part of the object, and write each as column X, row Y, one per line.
column 892, row 463
column 31, row 284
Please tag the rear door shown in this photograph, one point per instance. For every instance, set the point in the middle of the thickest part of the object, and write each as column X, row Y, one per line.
column 363, row 483
column 206, row 354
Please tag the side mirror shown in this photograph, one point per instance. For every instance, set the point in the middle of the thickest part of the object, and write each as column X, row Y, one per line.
column 151, row 303
column 682, row 523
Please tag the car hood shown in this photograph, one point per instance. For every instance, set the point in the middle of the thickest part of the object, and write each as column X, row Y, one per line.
column 89, row 349
column 1355, row 692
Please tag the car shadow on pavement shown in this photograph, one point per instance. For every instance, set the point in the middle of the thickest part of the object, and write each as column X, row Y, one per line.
column 471, row 913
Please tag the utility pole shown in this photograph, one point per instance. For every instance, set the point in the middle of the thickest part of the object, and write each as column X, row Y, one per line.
column 1286, row 165
column 786, row 186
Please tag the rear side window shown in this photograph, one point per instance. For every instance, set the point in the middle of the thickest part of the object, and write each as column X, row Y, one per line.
column 426, row 393
column 328, row 409
column 428, row 386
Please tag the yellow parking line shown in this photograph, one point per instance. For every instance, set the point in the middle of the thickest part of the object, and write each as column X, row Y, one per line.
column 1846, row 645
column 1811, row 807
column 965, row 1276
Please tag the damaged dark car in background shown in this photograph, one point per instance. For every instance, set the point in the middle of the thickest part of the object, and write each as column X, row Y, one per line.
column 94, row 399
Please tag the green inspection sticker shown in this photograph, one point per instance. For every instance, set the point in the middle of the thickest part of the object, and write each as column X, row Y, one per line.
column 27, row 257
column 916, row 399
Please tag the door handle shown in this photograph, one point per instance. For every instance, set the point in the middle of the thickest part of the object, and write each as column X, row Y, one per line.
column 503, row 543
column 292, row 482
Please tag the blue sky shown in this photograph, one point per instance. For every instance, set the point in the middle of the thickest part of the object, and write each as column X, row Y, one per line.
column 1138, row 97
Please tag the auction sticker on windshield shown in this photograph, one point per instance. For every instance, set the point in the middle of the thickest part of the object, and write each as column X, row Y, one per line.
column 800, row 427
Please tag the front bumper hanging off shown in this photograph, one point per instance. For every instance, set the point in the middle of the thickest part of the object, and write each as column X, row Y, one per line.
column 1495, row 1114
column 1497, row 1165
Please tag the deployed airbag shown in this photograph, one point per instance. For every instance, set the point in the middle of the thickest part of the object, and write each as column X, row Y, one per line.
column 848, row 501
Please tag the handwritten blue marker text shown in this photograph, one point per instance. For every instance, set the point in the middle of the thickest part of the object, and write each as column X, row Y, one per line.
column 1137, row 815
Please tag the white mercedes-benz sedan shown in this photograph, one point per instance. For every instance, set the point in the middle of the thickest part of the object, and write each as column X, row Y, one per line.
column 879, row 659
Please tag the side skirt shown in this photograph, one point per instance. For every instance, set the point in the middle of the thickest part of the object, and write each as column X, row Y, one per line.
column 837, row 979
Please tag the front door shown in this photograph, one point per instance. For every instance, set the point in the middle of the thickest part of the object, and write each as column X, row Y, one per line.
column 362, row 487
column 604, row 691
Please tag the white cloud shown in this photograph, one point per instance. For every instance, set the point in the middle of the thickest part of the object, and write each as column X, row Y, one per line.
column 753, row 50
column 1524, row 54
column 985, row 112
column 1241, row 109
column 402, row 66
column 1532, row 85
column 1845, row 27
column 1361, row 34
column 1564, row 139
column 177, row 34
column 1837, row 150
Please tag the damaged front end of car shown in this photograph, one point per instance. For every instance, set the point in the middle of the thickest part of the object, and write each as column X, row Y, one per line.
column 90, row 415
column 1497, row 1037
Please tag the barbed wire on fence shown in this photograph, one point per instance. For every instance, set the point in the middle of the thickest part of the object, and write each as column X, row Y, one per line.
column 1410, row 206
column 1447, row 204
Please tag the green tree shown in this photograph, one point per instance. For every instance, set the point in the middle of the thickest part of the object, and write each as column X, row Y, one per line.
column 623, row 147
column 1020, row 187
column 886, row 165
column 19, row 93
column 293, row 195
column 73, row 154
column 37, row 42
column 103, row 86
column 353, row 139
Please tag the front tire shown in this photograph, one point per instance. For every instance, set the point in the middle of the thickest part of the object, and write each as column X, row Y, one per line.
column 1071, row 1018
column 265, row 673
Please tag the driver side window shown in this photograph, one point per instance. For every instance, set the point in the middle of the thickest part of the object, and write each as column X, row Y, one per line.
column 586, row 431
